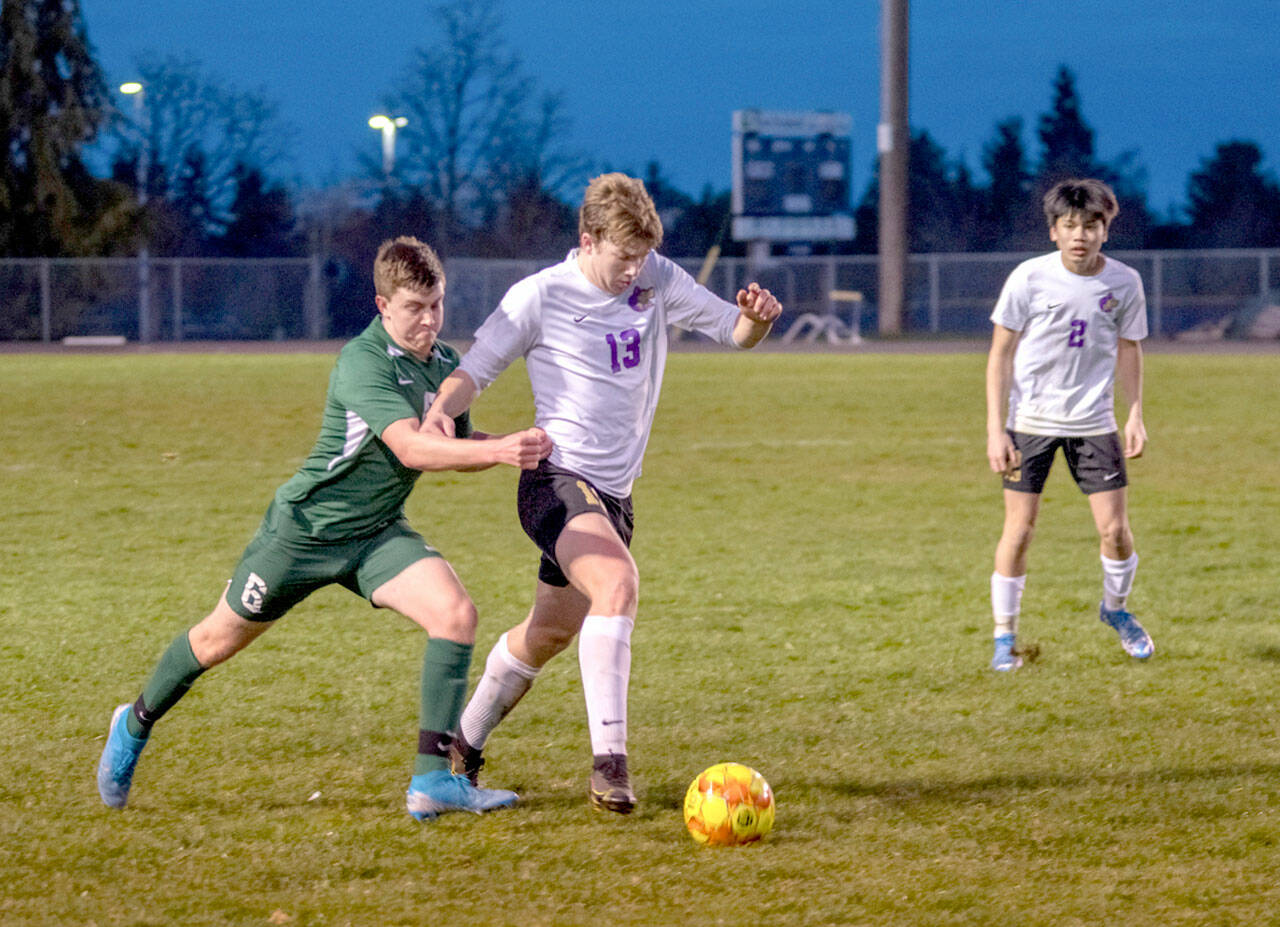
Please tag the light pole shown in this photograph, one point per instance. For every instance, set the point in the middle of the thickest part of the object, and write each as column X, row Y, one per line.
column 388, row 125
column 134, row 89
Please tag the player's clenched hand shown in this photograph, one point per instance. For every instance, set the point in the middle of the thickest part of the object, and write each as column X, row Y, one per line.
column 1001, row 453
column 1135, row 437
column 438, row 423
column 522, row 449
column 758, row 304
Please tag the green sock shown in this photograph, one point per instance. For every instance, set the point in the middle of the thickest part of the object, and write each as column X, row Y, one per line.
column 444, row 689
column 170, row 680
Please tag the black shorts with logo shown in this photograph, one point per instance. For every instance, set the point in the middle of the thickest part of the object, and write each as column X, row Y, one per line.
column 549, row 497
column 1096, row 462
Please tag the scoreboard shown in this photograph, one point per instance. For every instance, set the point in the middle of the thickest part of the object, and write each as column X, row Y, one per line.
column 791, row 176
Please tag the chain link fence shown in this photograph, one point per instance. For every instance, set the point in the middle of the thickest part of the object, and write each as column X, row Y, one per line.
column 162, row 299
column 179, row 299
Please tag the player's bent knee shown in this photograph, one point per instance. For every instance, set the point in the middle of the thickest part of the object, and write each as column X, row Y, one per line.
column 219, row 638
column 620, row 596
column 457, row 621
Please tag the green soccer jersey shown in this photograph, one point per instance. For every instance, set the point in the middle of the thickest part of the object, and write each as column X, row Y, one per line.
column 352, row 484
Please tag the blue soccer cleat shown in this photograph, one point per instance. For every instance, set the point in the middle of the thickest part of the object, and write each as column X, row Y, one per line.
column 119, row 757
column 435, row 793
column 1133, row 637
column 1005, row 657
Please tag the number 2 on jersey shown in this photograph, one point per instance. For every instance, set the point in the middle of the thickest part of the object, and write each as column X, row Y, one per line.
column 1076, row 338
column 624, row 349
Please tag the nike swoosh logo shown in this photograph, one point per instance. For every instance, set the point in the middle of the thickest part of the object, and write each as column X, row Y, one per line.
column 580, row 317
column 1109, row 477
column 1054, row 305
column 403, row 382
column 607, row 723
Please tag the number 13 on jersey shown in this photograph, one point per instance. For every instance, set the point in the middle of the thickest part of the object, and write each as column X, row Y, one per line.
column 624, row 349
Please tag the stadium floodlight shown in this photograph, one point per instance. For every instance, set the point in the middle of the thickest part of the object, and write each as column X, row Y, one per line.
column 388, row 126
column 136, row 90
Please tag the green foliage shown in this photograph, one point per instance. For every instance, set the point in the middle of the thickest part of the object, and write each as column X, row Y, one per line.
column 52, row 102
column 1234, row 203
column 814, row 537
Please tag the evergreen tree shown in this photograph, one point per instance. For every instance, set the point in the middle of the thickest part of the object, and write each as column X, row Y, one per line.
column 702, row 224
column 1067, row 150
column 1234, row 203
column 53, row 101
column 942, row 205
column 1010, row 216
column 262, row 221
column 1066, row 140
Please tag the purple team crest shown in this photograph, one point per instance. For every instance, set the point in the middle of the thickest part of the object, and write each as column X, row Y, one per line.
column 640, row 300
column 1108, row 303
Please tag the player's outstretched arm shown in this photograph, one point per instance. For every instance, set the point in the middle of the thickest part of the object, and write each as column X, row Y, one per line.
column 430, row 450
column 758, row 309
column 1129, row 376
column 1000, row 451
column 454, row 397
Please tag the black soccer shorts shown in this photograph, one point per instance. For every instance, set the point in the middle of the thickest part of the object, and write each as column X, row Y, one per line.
column 549, row 497
column 1096, row 462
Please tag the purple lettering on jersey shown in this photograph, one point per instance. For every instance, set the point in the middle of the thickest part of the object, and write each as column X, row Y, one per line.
column 624, row 349
column 1108, row 303
column 1076, row 338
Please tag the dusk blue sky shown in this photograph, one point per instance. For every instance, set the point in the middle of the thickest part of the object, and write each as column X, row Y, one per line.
column 658, row 80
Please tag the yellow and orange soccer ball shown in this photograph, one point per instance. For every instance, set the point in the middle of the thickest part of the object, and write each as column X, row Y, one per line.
column 728, row 805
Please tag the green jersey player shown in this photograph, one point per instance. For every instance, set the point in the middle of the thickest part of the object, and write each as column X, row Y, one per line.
column 340, row 519
column 1067, row 325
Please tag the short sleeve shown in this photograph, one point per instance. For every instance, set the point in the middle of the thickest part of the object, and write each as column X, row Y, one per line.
column 509, row 332
column 365, row 384
column 693, row 307
column 1133, row 322
column 1014, row 305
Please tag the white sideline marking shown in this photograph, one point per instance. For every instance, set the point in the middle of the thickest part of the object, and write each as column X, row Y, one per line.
column 95, row 341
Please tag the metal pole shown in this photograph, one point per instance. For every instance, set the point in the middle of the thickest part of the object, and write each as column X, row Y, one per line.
column 935, row 295
column 144, row 255
column 315, row 311
column 176, row 283
column 893, row 142
column 46, row 307
column 1157, row 295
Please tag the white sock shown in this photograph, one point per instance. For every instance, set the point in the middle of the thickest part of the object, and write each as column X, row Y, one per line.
column 1006, row 602
column 504, row 683
column 604, row 656
column 1117, row 581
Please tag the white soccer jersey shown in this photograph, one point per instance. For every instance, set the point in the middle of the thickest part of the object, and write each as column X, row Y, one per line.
column 1064, row 366
column 595, row 360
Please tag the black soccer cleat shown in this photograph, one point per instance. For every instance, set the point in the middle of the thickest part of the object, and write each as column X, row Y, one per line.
column 610, row 785
column 465, row 760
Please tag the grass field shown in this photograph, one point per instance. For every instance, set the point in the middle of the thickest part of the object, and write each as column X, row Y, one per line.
column 814, row 536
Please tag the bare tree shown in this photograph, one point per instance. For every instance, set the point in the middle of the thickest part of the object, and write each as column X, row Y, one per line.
column 189, row 113
column 477, row 125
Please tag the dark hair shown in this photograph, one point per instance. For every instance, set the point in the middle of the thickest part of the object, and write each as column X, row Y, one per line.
column 1091, row 197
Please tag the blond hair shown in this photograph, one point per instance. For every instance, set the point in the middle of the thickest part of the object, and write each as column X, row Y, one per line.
column 405, row 262
column 618, row 209
column 1090, row 197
